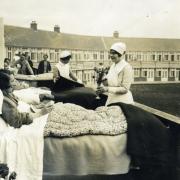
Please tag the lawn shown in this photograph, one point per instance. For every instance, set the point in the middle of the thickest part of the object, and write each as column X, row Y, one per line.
column 164, row 97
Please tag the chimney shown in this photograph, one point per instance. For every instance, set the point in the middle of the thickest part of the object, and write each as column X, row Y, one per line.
column 57, row 29
column 34, row 25
column 116, row 34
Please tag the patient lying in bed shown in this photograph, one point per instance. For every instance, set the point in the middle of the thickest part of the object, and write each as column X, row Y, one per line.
column 15, row 112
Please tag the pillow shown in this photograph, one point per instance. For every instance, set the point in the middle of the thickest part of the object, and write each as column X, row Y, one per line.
column 30, row 95
column 27, row 96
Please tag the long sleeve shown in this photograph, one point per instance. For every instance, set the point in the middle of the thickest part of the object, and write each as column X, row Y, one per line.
column 12, row 116
column 127, row 77
column 30, row 70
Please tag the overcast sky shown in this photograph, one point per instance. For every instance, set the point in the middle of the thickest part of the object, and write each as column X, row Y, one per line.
column 132, row 18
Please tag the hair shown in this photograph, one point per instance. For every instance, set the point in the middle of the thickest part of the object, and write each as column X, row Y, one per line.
column 66, row 58
column 4, row 79
column 7, row 60
column 119, row 55
column 45, row 55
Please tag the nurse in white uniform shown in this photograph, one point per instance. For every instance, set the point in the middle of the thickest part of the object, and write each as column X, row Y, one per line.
column 63, row 68
column 119, row 78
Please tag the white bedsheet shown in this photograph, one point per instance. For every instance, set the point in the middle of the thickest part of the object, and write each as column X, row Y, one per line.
column 22, row 149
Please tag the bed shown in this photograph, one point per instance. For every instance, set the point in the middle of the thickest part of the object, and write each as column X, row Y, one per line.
column 33, row 157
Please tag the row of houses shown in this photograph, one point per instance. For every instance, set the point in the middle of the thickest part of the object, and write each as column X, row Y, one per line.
column 153, row 59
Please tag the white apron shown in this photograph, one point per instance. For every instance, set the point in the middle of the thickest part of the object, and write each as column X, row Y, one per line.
column 112, row 78
column 64, row 70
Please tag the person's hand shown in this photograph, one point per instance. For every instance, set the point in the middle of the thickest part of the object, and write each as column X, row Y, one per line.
column 79, row 81
column 25, row 85
column 46, row 97
column 56, row 79
column 101, row 89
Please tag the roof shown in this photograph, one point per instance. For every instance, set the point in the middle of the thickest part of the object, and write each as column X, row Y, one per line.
column 26, row 37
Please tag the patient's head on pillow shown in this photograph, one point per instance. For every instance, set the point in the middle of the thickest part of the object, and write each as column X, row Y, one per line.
column 5, row 80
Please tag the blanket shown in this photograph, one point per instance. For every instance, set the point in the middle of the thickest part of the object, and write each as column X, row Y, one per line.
column 67, row 120
column 85, row 155
column 68, row 91
column 148, row 138
column 22, row 148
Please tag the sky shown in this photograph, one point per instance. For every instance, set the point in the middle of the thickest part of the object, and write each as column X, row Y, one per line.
column 131, row 18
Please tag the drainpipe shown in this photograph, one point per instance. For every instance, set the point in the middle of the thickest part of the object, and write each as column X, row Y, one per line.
column 2, row 44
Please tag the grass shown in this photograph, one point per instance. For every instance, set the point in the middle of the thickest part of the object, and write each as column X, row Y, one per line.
column 164, row 97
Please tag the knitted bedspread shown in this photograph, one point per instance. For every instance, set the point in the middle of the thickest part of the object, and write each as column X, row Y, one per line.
column 68, row 120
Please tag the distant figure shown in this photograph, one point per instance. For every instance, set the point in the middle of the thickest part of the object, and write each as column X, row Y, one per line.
column 44, row 65
column 28, row 58
column 17, row 55
column 23, row 66
column 100, row 67
column 119, row 78
column 63, row 68
column 7, row 62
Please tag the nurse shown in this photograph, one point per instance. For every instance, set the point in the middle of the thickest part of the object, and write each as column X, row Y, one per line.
column 63, row 68
column 118, row 81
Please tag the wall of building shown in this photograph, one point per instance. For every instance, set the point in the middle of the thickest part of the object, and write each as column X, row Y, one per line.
column 2, row 48
column 148, row 66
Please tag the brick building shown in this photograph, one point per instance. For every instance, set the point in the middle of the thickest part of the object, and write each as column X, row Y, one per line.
column 153, row 59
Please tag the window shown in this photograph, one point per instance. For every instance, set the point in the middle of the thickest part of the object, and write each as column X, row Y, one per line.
column 85, row 56
column 136, row 72
column 158, row 73
column 144, row 72
column 172, row 57
column 164, row 73
column 172, row 73
column 101, row 55
column 79, row 56
column 159, row 57
column 178, row 57
column 166, row 57
column 130, row 57
column 39, row 56
column 94, row 56
column 138, row 57
column 153, row 57
column 33, row 56
column 51, row 56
